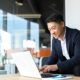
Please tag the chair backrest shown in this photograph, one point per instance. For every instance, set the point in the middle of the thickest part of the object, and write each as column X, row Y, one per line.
column 43, row 60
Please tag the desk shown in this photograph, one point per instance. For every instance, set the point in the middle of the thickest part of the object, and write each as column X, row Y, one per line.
column 18, row 77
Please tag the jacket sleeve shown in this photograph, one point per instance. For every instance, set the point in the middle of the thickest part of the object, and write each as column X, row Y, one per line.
column 75, row 60
column 53, row 57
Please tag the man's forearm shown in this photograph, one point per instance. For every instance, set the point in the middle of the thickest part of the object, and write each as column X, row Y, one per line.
column 68, row 64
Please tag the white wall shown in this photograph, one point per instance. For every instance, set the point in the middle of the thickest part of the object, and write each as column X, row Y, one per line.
column 72, row 13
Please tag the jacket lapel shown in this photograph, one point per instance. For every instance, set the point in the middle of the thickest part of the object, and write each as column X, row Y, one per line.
column 59, row 49
column 58, row 44
column 68, row 36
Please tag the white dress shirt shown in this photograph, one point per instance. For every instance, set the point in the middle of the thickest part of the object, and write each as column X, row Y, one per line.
column 64, row 47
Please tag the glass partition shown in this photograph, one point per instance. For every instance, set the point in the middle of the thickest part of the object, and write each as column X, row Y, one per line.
column 20, row 31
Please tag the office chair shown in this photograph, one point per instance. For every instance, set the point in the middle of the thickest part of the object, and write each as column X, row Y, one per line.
column 42, row 61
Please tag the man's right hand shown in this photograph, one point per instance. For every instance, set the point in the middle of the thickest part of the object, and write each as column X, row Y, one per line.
column 42, row 68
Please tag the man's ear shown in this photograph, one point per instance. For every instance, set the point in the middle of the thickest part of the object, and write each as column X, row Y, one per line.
column 62, row 24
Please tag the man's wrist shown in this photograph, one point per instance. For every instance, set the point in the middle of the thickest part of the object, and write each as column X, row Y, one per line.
column 56, row 66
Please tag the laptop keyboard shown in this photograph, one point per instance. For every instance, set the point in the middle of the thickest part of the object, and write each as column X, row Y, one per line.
column 45, row 75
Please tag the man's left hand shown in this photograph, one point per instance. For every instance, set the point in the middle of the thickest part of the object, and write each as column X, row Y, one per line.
column 50, row 68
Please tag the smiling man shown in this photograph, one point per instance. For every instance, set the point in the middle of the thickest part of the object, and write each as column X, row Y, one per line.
column 65, row 47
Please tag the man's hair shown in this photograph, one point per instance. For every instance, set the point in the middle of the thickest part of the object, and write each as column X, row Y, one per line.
column 54, row 17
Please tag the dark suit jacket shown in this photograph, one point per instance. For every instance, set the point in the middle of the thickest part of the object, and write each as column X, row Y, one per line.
column 73, row 48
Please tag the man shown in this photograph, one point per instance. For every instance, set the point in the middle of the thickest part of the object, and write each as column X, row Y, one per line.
column 65, row 46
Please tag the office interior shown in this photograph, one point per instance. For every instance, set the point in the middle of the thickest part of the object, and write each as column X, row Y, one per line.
column 23, row 28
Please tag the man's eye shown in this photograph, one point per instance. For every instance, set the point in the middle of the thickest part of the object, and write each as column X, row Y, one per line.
column 52, row 28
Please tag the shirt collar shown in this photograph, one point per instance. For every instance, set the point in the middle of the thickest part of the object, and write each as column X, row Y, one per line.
column 64, row 35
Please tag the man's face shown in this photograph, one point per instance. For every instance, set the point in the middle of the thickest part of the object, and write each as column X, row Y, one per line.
column 55, row 29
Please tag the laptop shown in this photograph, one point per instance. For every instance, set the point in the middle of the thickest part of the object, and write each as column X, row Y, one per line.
column 26, row 65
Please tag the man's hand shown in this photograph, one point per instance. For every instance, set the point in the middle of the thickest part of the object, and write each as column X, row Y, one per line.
column 48, row 68
column 42, row 68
